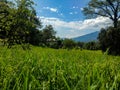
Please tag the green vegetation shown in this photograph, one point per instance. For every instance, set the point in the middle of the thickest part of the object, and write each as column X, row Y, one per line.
column 19, row 24
column 110, row 36
column 50, row 69
column 56, row 69
column 18, row 20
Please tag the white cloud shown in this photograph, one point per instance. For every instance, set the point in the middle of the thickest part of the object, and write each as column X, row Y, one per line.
column 51, row 9
column 74, row 7
column 81, row 9
column 76, row 28
column 71, row 13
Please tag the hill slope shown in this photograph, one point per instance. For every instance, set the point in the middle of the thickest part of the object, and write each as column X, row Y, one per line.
column 88, row 37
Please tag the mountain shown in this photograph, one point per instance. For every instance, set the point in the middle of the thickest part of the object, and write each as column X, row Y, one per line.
column 88, row 37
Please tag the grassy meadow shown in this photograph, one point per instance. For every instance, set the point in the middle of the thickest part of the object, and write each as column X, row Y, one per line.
column 50, row 69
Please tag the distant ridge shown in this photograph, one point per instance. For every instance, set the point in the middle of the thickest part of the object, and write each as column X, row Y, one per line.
column 87, row 38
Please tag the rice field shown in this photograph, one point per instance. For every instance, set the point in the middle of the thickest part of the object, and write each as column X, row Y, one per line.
column 60, row 69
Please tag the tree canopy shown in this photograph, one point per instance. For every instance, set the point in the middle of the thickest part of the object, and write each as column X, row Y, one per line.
column 4, row 15
column 105, row 8
column 17, row 22
column 110, row 39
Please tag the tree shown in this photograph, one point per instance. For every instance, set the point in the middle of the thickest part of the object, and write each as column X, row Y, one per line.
column 69, row 44
column 92, row 45
column 80, row 44
column 105, row 8
column 103, row 39
column 4, row 14
column 56, row 43
column 48, row 34
column 23, row 20
column 5, row 19
column 109, row 39
column 36, row 37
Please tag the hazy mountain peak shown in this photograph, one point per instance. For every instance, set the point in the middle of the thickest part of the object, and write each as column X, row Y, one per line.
column 88, row 37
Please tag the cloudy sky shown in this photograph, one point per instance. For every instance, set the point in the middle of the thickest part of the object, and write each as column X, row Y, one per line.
column 67, row 18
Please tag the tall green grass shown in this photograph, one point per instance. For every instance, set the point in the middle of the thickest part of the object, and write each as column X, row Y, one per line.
column 49, row 69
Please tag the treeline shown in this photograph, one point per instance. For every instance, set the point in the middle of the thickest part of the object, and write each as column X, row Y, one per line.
column 70, row 44
column 19, row 24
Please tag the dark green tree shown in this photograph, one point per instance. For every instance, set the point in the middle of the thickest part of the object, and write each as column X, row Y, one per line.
column 80, row 45
column 92, row 45
column 4, row 14
column 105, row 8
column 48, row 35
column 36, row 37
column 103, row 39
column 56, row 43
column 5, row 19
column 69, row 44
column 23, row 22
column 109, row 39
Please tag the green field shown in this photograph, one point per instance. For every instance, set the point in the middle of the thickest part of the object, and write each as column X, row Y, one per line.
column 50, row 69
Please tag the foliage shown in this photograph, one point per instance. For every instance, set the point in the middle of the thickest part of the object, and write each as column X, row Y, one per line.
column 21, row 19
column 102, row 39
column 50, row 69
column 92, row 45
column 35, row 37
column 57, row 43
column 105, row 8
column 109, row 39
column 80, row 44
column 4, row 15
column 69, row 44
column 24, row 22
column 48, row 34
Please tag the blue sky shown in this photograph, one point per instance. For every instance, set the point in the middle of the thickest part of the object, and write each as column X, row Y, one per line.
column 67, row 18
column 68, row 10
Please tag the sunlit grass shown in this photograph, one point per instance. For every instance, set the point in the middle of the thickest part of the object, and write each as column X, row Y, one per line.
column 49, row 69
